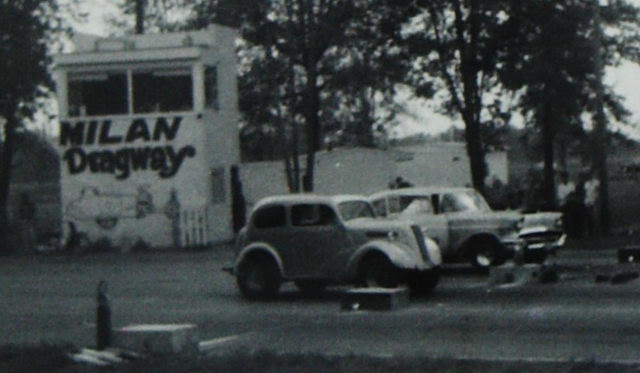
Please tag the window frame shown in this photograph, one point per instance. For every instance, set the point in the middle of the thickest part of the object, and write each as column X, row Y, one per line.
column 139, row 71
column 84, row 76
column 128, row 70
column 318, row 219
column 255, row 216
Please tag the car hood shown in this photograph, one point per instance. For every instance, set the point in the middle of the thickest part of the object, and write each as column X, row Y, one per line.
column 542, row 219
column 505, row 216
column 375, row 224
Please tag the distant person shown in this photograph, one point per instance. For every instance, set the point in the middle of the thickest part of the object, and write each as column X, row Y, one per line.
column 564, row 189
column 532, row 195
column 27, row 215
column 238, row 202
column 591, row 196
column 565, row 200
column 401, row 183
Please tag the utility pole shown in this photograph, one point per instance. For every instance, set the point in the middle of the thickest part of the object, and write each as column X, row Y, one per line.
column 600, row 131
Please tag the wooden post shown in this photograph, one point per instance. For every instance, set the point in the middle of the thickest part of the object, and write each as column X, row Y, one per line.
column 103, row 318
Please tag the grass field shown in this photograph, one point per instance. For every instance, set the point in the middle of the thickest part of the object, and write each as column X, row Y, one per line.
column 47, row 358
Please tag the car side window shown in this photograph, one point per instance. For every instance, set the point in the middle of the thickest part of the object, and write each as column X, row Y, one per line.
column 448, row 204
column 305, row 215
column 416, row 205
column 394, row 205
column 270, row 217
column 380, row 207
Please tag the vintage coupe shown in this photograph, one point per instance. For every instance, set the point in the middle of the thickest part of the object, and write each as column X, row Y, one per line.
column 316, row 240
column 467, row 229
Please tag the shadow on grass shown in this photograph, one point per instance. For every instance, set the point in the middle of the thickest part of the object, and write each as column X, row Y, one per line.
column 461, row 270
column 46, row 358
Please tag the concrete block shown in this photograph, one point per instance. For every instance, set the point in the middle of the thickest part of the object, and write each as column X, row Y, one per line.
column 375, row 299
column 515, row 274
column 157, row 338
column 629, row 254
column 624, row 277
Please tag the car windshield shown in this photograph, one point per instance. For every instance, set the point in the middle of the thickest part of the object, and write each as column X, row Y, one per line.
column 468, row 200
column 412, row 205
column 350, row 210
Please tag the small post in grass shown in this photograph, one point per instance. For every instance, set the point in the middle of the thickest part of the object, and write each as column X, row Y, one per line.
column 103, row 318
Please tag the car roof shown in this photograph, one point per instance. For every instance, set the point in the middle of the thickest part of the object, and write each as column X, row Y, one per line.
column 286, row 199
column 418, row 191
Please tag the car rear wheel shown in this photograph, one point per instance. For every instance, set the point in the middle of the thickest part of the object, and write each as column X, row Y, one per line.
column 259, row 278
column 378, row 271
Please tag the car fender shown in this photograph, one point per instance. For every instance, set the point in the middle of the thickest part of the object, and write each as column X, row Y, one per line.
column 398, row 256
column 262, row 247
column 466, row 245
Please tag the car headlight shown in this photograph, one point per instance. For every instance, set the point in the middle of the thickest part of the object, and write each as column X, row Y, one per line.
column 393, row 235
column 558, row 223
column 519, row 224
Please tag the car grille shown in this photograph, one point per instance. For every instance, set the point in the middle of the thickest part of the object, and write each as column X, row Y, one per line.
column 542, row 237
column 377, row 235
column 417, row 232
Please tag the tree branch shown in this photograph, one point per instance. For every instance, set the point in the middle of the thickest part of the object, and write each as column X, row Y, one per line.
column 442, row 51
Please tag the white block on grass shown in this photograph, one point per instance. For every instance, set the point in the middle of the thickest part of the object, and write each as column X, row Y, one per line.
column 515, row 274
column 157, row 338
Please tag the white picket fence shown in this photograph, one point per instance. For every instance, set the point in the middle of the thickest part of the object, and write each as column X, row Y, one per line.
column 194, row 225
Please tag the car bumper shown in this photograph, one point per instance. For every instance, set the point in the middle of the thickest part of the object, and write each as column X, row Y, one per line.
column 543, row 239
column 512, row 246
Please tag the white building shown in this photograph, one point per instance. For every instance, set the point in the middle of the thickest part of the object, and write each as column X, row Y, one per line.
column 149, row 130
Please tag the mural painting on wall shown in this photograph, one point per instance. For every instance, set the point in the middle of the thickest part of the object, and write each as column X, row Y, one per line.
column 165, row 160
column 108, row 209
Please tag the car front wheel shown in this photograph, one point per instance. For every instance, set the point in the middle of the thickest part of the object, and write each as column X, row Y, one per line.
column 259, row 278
column 485, row 255
column 423, row 283
column 379, row 272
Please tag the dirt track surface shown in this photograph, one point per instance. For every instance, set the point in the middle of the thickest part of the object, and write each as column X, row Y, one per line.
column 53, row 299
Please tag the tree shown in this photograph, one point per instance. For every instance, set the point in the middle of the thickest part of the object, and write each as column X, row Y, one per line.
column 546, row 61
column 28, row 28
column 554, row 57
column 329, row 75
column 454, row 45
column 150, row 16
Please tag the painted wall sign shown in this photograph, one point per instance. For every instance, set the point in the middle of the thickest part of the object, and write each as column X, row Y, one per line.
column 166, row 160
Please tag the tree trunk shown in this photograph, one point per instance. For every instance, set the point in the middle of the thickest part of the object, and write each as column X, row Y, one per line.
column 295, row 155
column 5, row 180
column 471, row 91
column 548, row 139
column 365, row 124
column 313, row 126
column 562, row 152
column 140, row 9
column 476, row 154
column 600, row 132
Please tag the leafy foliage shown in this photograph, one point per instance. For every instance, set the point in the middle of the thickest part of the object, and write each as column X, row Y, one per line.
column 558, row 84
column 159, row 15
column 28, row 30
column 328, row 66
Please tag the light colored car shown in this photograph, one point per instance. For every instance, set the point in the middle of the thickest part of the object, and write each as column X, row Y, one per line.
column 466, row 228
column 316, row 241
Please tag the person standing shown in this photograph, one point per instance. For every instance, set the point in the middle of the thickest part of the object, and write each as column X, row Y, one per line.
column 26, row 215
column 564, row 192
column 591, row 195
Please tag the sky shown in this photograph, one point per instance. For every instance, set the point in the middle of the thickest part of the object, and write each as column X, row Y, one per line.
column 421, row 118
